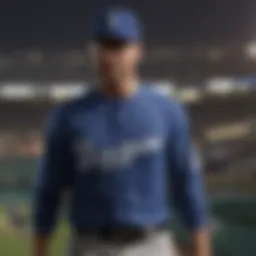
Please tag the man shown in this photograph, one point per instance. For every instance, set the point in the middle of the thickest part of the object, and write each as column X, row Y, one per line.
column 115, row 149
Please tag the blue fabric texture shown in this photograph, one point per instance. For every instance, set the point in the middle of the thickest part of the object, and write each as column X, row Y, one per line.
column 119, row 159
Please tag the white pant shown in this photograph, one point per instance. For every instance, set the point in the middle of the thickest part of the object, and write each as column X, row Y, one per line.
column 158, row 244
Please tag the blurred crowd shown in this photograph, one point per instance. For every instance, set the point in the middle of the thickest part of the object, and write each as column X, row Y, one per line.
column 216, row 82
column 22, row 144
column 187, row 64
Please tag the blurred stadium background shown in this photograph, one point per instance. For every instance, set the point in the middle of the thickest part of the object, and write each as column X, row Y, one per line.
column 206, row 58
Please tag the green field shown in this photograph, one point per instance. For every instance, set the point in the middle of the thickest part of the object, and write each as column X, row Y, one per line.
column 14, row 243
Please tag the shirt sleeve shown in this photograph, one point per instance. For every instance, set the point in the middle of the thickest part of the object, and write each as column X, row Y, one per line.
column 188, row 191
column 54, row 174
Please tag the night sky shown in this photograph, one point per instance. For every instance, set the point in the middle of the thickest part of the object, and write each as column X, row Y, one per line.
column 64, row 24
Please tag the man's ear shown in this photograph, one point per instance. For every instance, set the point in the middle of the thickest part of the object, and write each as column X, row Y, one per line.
column 141, row 51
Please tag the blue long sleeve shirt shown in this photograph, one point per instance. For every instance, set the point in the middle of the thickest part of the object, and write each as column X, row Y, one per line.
column 119, row 159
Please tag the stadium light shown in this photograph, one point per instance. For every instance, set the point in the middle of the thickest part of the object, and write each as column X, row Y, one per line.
column 61, row 91
column 18, row 91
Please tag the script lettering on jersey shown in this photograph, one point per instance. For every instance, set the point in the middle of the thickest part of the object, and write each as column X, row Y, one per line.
column 88, row 156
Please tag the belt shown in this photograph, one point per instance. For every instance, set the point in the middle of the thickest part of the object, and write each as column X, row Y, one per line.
column 121, row 234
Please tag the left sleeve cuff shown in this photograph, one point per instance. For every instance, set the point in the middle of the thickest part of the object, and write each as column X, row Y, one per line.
column 199, row 223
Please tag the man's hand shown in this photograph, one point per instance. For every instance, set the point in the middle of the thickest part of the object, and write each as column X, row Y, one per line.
column 202, row 243
column 40, row 245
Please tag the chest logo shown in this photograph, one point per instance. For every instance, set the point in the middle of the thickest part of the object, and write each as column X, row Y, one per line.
column 88, row 156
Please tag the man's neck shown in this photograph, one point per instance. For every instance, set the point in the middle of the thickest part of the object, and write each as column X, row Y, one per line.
column 122, row 89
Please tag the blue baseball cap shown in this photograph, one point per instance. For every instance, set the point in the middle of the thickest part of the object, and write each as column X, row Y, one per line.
column 117, row 23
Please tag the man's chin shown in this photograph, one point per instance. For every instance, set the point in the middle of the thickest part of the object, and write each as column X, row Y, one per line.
column 111, row 78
